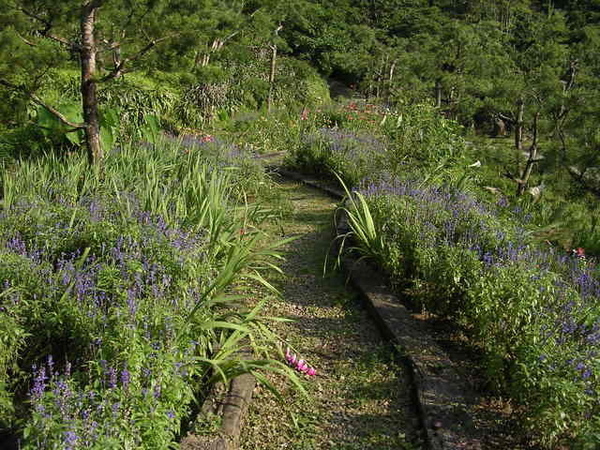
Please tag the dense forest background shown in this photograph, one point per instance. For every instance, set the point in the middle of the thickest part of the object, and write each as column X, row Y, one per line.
column 492, row 65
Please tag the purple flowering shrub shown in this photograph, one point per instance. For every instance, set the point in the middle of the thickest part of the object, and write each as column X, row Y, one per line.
column 136, row 406
column 114, row 292
column 122, row 301
column 379, row 144
column 534, row 311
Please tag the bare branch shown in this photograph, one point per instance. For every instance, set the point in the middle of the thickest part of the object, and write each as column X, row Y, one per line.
column 510, row 176
column 61, row 40
column 94, row 4
column 110, row 45
column 56, row 113
column 231, row 36
column 120, row 65
column 505, row 118
column 45, row 22
column 61, row 117
column 31, row 44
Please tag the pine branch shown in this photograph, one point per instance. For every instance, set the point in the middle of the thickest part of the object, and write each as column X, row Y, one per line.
column 26, row 41
column 46, row 31
column 578, row 176
column 506, row 118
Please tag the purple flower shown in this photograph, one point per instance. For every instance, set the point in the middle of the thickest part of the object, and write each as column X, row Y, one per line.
column 17, row 245
column 50, row 365
column 39, row 384
column 125, row 378
column 131, row 300
column 488, row 259
column 70, row 439
column 112, row 378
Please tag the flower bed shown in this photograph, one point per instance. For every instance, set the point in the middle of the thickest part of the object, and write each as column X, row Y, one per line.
column 114, row 305
column 535, row 312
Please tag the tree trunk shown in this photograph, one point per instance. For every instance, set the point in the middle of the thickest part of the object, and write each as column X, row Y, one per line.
column 438, row 94
column 391, row 73
column 390, row 80
column 499, row 127
column 272, row 76
column 380, row 79
column 522, row 182
column 519, row 124
column 88, row 84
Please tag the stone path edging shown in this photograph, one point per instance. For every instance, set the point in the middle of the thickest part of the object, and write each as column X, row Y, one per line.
column 230, row 404
column 312, row 182
column 444, row 399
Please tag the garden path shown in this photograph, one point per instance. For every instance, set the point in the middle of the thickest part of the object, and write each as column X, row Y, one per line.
column 360, row 398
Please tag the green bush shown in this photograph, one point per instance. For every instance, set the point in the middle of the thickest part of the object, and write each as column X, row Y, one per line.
column 532, row 311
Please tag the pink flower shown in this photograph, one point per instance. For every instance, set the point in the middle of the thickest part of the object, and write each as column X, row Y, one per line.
column 301, row 366
column 290, row 357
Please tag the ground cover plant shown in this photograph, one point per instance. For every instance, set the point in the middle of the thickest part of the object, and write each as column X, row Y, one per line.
column 116, row 305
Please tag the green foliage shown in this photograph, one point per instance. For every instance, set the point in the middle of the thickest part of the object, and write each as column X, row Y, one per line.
column 118, row 287
column 365, row 142
column 476, row 61
column 421, row 135
column 521, row 306
column 530, row 308
column 363, row 232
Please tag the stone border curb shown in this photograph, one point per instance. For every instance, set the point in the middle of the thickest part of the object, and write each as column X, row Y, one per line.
column 229, row 403
column 312, row 182
column 444, row 400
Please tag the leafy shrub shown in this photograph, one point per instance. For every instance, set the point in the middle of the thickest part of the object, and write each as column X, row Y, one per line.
column 422, row 136
column 360, row 141
column 351, row 154
column 263, row 133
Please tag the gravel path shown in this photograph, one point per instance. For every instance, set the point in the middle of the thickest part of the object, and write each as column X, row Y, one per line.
column 360, row 398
